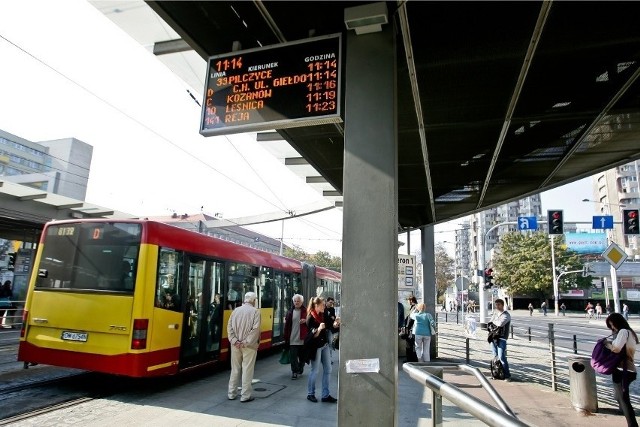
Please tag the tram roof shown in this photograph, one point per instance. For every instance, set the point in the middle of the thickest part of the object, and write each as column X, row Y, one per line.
column 512, row 98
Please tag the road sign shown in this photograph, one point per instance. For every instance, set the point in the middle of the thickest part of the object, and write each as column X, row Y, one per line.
column 527, row 223
column 602, row 222
column 614, row 255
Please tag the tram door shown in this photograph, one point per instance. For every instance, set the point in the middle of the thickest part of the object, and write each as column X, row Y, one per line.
column 199, row 309
column 283, row 293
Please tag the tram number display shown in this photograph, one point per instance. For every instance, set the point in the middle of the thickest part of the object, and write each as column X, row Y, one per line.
column 282, row 86
column 74, row 336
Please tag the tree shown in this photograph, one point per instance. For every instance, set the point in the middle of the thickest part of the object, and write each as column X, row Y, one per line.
column 296, row 252
column 444, row 270
column 326, row 260
column 321, row 258
column 522, row 265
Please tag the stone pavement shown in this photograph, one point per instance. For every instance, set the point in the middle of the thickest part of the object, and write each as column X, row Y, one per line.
column 281, row 401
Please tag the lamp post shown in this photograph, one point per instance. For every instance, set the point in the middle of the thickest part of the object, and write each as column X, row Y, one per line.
column 613, row 272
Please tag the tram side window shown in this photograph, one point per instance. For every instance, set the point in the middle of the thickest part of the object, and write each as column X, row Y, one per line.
column 296, row 289
column 90, row 256
column 169, row 279
column 266, row 287
column 243, row 278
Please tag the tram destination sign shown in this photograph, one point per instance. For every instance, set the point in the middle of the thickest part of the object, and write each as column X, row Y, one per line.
column 282, row 86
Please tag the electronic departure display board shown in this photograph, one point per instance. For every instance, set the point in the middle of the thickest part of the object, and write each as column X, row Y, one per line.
column 288, row 85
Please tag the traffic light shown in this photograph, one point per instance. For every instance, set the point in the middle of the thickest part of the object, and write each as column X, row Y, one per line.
column 12, row 261
column 555, row 221
column 630, row 221
column 488, row 277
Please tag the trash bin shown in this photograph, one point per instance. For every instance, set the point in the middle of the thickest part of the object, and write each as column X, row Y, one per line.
column 582, row 381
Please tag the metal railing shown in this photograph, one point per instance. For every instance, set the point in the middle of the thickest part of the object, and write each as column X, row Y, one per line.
column 10, row 321
column 430, row 374
column 540, row 355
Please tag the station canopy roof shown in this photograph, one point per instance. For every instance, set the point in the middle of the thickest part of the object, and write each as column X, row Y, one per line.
column 24, row 210
column 496, row 100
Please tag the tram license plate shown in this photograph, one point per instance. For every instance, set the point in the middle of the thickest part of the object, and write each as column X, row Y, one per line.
column 74, row 336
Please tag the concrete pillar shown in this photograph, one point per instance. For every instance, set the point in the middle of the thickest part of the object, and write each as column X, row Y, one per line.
column 369, row 250
column 429, row 294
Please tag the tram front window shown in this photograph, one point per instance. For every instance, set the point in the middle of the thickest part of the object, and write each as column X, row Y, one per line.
column 90, row 256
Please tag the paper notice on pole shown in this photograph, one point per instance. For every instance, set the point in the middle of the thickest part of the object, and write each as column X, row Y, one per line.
column 470, row 326
column 360, row 366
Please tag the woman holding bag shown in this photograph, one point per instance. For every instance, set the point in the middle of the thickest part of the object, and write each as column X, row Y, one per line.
column 317, row 324
column 423, row 329
column 623, row 338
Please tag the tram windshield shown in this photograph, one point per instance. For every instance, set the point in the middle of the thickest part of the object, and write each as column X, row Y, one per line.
column 90, row 256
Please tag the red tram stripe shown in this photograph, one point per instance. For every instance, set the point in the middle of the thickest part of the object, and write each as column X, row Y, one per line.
column 129, row 364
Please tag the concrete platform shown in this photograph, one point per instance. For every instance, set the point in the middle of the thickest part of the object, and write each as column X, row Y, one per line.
column 280, row 401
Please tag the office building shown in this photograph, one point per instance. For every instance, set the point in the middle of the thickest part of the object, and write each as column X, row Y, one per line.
column 59, row 166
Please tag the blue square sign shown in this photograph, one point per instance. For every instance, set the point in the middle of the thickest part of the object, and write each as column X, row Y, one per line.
column 602, row 222
column 527, row 223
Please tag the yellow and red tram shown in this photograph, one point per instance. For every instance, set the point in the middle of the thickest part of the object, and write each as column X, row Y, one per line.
column 142, row 298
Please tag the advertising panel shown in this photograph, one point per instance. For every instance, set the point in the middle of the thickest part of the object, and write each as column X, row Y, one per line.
column 586, row 243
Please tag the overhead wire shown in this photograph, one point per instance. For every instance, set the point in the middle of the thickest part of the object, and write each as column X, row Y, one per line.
column 198, row 159
column 193, row 156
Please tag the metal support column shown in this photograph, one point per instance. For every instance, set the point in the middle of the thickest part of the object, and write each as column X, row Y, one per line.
column 370, row 233
column 429, row 293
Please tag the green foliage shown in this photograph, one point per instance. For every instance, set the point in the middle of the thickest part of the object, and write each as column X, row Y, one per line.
column 444, row 270
column 321, row 258
column 522, row 264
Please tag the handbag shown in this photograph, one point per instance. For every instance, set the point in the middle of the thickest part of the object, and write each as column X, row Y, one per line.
column 285, row 357
column 403, row 333
column 603, row 360
column 335, row 341
column 313, row 343
column 432, row 325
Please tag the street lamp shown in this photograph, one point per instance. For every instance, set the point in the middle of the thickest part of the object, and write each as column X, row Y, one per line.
column 613, row 272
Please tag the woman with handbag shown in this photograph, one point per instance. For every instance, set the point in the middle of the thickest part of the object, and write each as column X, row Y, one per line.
column 317, row 324
column 623, row 338
column 423, row 329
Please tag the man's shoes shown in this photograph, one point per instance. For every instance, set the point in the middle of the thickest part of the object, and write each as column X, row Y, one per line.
column 329, row 399
column 232, row 398
column 300, row 371
column 247, row 400
column 507, row 379
column 294, row 376
column 312, row 398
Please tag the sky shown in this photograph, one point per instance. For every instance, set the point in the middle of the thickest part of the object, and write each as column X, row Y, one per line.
column 68, row 71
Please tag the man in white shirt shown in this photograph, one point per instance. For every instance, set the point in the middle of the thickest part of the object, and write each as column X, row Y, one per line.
column 501, row 318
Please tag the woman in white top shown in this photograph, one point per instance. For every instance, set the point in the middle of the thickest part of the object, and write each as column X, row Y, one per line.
column 623, row 335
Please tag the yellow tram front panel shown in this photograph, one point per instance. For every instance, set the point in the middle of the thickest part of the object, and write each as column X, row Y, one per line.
column 80, row 322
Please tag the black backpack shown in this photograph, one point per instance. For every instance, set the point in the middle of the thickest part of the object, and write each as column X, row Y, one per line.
column 497, row 371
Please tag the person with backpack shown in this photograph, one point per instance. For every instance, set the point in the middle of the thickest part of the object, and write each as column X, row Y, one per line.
column 498, row 329
column 623, row 338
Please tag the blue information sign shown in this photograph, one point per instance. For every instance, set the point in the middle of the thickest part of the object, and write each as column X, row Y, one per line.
column 602, row 222
column 527, row 223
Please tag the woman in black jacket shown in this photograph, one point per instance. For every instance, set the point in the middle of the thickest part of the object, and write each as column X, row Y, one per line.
column 317, row 325
column 408, row 327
